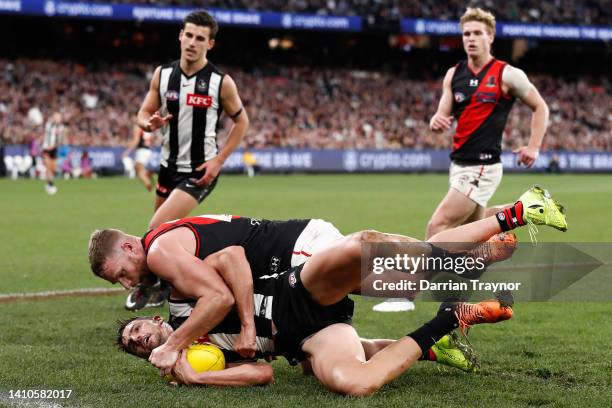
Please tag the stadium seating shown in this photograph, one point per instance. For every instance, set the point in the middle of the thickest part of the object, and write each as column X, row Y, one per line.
column 290, row 108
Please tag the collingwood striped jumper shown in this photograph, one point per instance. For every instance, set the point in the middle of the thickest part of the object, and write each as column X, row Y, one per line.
column 190, row 137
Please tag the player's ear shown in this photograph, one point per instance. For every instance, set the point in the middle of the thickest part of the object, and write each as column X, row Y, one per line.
column 181, row 35
column 158, row 320
column 127, row 246
column 211, row 43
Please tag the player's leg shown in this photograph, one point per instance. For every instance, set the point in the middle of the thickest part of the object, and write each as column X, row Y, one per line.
column 449, row 351
column 338, row 360
column 535, row 207
column 453, row 210
column 49, row 162
column 478, row 214
column 143, row 175
column 178, row 205
column 489, row 211
column 335, row 271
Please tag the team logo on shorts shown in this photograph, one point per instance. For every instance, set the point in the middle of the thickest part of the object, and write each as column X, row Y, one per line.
column 459, row 97
column 172, row 95
column 201, row 85
column 292, row 279
column 162, row 189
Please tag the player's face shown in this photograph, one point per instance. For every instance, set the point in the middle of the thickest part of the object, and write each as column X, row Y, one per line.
column 476, row 39
column 195, row 42
column 141, row 336
column 126, row 267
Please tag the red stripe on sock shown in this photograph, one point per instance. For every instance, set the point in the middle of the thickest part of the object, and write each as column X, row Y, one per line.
column 508, row 215
column 518, row 208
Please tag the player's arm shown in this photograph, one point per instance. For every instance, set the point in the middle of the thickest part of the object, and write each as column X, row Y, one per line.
column 519, row 86
column 149, row 118
column 236, row 375
column 193, row 278
column 232, row 265
column 442, row 120
column 232, row 105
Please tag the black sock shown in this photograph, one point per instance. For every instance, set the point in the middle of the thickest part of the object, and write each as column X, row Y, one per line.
column 434, row 330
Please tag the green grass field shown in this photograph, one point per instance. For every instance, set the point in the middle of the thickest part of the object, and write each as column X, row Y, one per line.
column 550, row 354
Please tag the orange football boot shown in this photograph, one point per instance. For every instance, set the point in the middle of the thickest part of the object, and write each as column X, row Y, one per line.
column 486, row 311
column 497, row 248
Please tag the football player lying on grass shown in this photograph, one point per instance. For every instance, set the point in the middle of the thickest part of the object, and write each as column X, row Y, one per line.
column 304, row 314
column 306, row 306
column 140, row 334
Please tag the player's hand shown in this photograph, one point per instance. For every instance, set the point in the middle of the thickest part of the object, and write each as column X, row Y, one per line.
column 246, row 344
column 527, row 155
column 182, row 371
column 164, row 357
column 440, row 123
column 211, row 170
column 156, row 121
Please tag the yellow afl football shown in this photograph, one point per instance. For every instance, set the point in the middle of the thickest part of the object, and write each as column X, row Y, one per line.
column 205, row 357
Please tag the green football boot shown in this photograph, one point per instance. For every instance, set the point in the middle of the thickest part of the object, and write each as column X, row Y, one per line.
column 540, row 209
column 451, row 352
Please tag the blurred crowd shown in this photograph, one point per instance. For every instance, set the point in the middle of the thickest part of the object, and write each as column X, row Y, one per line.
column 288, row 107
column 541, row 11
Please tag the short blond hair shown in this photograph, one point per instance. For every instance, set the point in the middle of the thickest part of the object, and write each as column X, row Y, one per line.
column 101, row 246
column 480, row 15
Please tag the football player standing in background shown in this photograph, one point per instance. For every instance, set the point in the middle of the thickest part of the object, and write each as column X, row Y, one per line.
column 186, row 99
column 54, row 133
column 478, row 93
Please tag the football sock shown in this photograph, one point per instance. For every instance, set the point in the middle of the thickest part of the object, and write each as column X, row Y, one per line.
column 429, row 356
column 434, row 330
column 511, row 218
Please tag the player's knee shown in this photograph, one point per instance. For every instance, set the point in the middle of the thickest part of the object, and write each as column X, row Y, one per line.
column 355, row 241
column 438, row 222
column 346, row 382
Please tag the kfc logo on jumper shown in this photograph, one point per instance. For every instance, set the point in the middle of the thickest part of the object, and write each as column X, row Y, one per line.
column 199, row 101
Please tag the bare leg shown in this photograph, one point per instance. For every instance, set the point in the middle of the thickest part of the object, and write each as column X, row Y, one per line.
column 178, row 205
column 490, row 211
column 144, row 175
column 50, row 167
column 338, row 360
column 454, row 209
column 478, row 214
column 335, row 271
column 470, row 234
column 373, row 346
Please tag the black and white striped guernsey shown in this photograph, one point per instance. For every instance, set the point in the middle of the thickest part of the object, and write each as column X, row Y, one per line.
column 53, row 135
column 226, row 333
column 190, row 138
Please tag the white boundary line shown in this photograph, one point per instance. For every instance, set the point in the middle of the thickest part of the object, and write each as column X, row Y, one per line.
column 11, row 297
